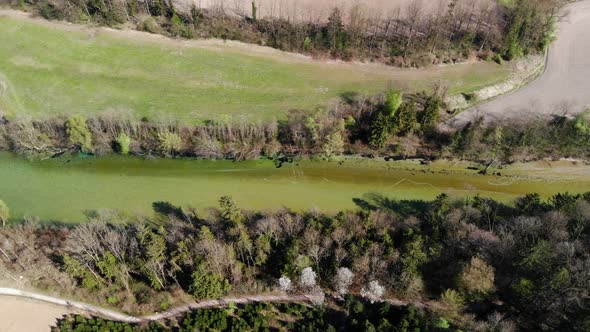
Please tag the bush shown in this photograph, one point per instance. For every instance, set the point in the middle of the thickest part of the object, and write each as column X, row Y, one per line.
column 150, row 25
column 50, row 11
column 4, row 213
column 123, row 142
column 170, row 142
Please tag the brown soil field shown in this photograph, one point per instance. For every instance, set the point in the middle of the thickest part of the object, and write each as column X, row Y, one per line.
column 313, row 10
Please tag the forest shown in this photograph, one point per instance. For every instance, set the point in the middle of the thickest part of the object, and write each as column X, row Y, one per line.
column 473, row 263
column 416, row 38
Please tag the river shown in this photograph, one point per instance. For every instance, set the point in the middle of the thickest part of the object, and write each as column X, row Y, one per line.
column 62, row 189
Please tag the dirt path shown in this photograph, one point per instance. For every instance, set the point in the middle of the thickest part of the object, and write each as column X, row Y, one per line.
column 17, row 305
column 564, row 87
column 50, row 308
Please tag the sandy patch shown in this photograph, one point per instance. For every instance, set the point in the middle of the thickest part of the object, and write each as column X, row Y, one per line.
column 22, row 315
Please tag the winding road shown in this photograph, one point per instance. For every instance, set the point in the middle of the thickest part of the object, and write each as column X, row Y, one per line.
column 564, row 87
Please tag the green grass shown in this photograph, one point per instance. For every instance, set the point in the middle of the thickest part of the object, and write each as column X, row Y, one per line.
column 47, row 70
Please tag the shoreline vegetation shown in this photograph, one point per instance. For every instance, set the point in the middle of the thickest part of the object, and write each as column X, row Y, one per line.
column 390, row 125
column 409, row 37
column 476, row 262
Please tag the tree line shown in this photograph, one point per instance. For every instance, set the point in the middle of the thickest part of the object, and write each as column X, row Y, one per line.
column 391, row 124
column 476, row 262
column 419, row 37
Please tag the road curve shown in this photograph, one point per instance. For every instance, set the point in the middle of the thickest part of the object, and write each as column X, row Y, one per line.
column 564, row 87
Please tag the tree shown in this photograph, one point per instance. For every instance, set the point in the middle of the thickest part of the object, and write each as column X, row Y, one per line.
column 451, row 304
column 207, row 285
column 334, row 144
column 230, row 212
column 405, row 118
column 430, row 115
column 154, row 263
column 78, row 132
column 308, row 278
column 344, row 278
column 477, row 279
column 335, row 30
column 285, row 284
column 4, row 213
column 379, row 130
column 373, row 291
column 254, row 11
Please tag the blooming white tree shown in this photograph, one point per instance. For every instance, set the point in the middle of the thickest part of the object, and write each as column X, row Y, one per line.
column 308, row 278
column 373, row 291
column 285, row 284
column 343, row 280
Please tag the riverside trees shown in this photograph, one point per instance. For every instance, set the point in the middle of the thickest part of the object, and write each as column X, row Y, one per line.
column 383, row 125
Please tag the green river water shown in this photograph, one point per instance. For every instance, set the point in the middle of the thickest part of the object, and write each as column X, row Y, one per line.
column 63, row 188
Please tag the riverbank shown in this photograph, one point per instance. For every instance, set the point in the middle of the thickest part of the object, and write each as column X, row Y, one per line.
column 64, row 188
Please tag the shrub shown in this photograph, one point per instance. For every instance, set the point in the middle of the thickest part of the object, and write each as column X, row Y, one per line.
column 123, row 142
column 150, row 25
column 79, row 134
column 393, row 100
column 50, row 11
column 582, row 123
column 4, row 213
column 170, row 142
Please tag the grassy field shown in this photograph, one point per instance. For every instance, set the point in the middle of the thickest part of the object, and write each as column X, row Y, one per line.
column 56, row 68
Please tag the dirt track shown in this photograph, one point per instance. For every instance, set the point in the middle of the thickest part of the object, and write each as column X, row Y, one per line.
column 17, row 305
column 564, row 88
